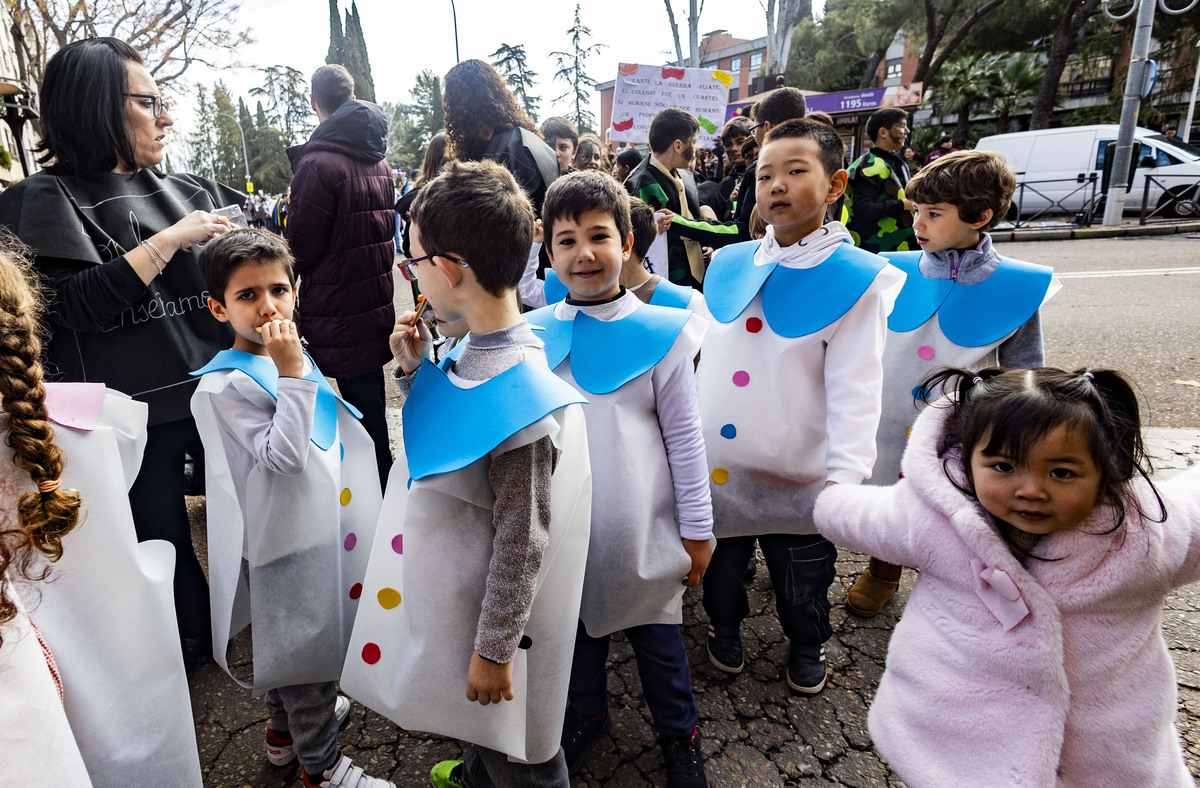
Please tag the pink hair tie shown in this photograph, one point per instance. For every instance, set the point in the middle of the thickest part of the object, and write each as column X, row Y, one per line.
column 975, row 381
column 1089, row 376
column 49, row 486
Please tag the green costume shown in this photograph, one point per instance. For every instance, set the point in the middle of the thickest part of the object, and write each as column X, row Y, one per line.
column 874, row 208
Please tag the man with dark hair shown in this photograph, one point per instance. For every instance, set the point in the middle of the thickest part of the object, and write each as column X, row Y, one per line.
column 876, row 211
column 340, row 227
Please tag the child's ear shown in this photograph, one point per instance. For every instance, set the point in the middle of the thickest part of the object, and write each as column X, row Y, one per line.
column 627, row 248
column 449, row 269
column 837, row 186
column 217, row 309
column 984, row 218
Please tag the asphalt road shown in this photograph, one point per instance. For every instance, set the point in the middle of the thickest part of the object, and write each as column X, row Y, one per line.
column 1132, row 304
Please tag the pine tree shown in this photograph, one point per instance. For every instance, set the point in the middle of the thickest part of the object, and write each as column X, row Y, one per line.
column 355, row 51
column 201, row 141
column 510, row 62
column 572, row 69
column 336, row 39
column 270, row 164
column 286, row 91
column 365, row 60
column 228, row 164
column 247, row 124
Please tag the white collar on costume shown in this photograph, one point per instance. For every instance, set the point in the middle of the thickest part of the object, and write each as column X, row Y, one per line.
column 805, row 253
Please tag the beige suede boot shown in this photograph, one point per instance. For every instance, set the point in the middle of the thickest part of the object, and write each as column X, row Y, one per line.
column 873, row 588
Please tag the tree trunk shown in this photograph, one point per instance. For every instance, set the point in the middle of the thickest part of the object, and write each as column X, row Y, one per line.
column 674, row 32
column 782, row 18
column 1002, row 122
column 872, row 64
column 693, row 34
column 964, row 125
column 931, row 59
column 1076, row 14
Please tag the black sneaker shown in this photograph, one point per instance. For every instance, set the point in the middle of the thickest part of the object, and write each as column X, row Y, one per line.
column 579, row 734
column 684, row 761
column 751, row 570
column 806, row 669
column 725, row 648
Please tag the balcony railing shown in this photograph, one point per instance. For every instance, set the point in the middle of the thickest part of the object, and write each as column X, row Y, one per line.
column 1086, row 87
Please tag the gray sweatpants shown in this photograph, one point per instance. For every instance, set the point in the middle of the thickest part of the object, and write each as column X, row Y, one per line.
column 484, row 768
column 306, row 712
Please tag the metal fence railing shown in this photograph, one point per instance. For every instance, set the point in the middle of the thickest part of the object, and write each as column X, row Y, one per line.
column 1080, row 203
column 1179, row 198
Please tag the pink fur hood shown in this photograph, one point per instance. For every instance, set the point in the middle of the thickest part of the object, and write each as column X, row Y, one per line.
column 999, row 674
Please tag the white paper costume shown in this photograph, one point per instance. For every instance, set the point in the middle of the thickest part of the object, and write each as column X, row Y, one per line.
column 941, row 322
column 790, row 378
column 636, row 562
column 304, row 536
column 107, row 612
column 666, row 293
column 425, row 584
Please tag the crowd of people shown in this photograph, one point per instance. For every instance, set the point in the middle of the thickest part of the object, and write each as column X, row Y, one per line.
column 267, row 211
column 651, row 384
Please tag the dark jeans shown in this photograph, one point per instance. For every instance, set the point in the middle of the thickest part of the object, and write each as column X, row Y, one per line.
column 801, row 569
column 159, row 512
column 662, row 666
column 366, row 392
column 484, row 768
column 306, row 712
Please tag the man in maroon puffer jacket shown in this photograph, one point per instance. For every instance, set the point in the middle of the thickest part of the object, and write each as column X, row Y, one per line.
column 340, row 227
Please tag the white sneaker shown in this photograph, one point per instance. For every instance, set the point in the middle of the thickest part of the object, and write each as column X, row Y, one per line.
column 280, row 751
column 345, row 774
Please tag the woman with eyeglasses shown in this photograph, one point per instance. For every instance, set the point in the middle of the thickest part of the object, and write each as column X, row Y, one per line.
column 115, row 240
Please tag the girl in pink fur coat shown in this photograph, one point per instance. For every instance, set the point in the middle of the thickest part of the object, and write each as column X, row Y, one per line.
column 1031, row 651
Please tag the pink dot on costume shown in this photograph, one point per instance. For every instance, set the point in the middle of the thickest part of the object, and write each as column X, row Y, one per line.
column 741, row 378
column 356, row 591
column 398, row 544
column 753, row 325
column 350, row 541
column 926, row 352
column 370, row 653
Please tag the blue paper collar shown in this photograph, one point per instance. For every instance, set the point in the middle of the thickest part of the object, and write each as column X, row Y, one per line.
column 264, row 372
column 969, row 315
column 446, row 428
column 795, row 301
column 607, row 354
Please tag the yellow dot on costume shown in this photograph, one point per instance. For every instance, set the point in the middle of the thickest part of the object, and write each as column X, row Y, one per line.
column 720, row 475
column 345, row 497
column 908, row 432
column 388, row 598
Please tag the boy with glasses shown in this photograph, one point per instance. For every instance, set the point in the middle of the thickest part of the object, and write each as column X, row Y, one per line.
column 475, row 577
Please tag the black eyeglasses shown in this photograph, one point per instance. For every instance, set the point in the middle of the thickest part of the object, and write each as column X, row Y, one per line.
column 157, row 105
column 407, row 266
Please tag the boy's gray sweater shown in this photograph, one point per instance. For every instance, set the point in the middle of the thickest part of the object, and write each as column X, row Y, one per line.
column 1022, row 350
column 520, row 479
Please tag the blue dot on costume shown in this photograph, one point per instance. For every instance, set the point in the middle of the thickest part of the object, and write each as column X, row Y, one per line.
column 342, row 449
column 729, row 431
column 920, row 393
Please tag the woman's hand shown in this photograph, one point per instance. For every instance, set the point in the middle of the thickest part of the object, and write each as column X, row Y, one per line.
column 410, row 344
column 196, row 227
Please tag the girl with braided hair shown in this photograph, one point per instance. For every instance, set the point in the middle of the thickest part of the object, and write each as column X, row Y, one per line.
column 96, row 690
column 34, row 735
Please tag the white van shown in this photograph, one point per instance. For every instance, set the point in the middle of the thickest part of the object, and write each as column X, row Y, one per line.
column 1060, row 170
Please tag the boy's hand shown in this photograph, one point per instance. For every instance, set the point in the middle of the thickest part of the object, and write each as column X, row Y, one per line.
column 662, row 220
column 488, row 682
column 282, row 342
column 701, row 553
column 410, row 344
column 537, row 231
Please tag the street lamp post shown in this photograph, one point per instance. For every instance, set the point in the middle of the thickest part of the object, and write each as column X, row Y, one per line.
column 454, row 13
column 245, row 158
column 1187, row 128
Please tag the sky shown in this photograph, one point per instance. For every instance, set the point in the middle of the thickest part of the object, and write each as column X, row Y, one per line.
column 405, row 37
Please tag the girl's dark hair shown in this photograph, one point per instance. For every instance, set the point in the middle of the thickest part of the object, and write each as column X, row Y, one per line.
column 43, row 518
column 432, row 164
column 475, row 96
column 83, row 107
column 1004, row 412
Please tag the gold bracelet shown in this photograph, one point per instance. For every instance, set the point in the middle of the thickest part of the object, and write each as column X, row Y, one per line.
column 161, row 262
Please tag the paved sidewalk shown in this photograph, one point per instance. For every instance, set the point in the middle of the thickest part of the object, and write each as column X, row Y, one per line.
column 755, row 731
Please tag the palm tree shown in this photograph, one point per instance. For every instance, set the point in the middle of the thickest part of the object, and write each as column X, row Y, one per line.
column 1017, row 81
column 962, row 82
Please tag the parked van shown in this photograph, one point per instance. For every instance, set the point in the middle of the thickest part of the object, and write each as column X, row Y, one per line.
column 1060, row 170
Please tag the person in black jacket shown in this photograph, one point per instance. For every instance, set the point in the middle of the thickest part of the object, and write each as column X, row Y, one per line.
column 115, row 240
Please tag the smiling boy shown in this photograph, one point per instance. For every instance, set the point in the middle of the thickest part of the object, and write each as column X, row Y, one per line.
column 790, row 388
column 651, row 513
column 290, row 492
column 962, row 305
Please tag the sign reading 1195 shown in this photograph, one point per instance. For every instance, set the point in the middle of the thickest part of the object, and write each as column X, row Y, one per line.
column 851, row 103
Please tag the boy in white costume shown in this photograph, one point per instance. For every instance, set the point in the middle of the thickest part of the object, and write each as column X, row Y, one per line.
column 292, row 491
column 963, row 305
column 651, row 513
column 474, row 581
column 790, row 388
